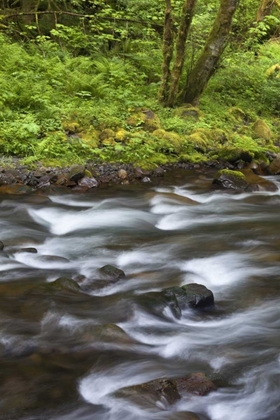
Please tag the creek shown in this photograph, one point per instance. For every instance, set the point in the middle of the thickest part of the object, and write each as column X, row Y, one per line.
column 63, row 355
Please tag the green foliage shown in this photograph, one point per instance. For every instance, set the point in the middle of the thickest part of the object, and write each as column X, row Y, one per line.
column 66, row 84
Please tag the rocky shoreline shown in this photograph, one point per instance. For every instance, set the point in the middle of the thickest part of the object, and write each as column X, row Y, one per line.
column 16, row 178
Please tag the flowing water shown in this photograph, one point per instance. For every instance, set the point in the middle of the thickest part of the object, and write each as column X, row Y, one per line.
column 63, row 355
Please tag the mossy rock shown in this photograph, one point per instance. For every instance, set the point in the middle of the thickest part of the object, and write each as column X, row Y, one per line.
column 192, row 157
column 106, row 134
column 122, row 135
column 71, row 127
column 238, row 114
column 261, row 130
column 110, row 141
column 90, row 137
column 230, row 180
column 217, row 135
column 174, row 140
column 188, row 111
column 146, row 119
column 198, row 140
column 233, row 154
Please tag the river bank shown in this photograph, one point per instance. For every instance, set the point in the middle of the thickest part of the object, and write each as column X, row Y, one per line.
column 17, row 178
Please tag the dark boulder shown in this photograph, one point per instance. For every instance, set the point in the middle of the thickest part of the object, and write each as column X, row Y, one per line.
column 230, row 180
column 109, row 272
column 246, row 180
column 28, row 249
column 1, row 246
column 193, row 294
column 76, row 173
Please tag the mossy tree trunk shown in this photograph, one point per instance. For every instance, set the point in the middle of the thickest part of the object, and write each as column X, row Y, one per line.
column 168, row 39
column 184, row 27
column 206, row 64
column 265, row 9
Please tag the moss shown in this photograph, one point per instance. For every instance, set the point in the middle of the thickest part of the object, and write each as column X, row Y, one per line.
column 237, row 114
column 109, row 142
column 197, row 140
column 107, row 133
column 90, row 137
column 261, row 130
column 228, row 172
column 71, row 127
column 122, row 135
column 232, row 154
column 193, row 157
column 188, row 111
column 146, row 119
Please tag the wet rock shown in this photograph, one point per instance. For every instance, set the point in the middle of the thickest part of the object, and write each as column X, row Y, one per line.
column 16, row 189
column 52, row 258
column 108, row 333
column 79, row 189
column 1, row 246
column 122, row 174
column 230, row 180
column 257, row 183
column 274, row 167
column 64, row 283
column 88, row 182
column 183, row 415
column 62, row 179
column 76, row 172
column 110, row 272
column 196, row 383
column 141, row 173
column 193, row 294
column 163, row 390
column 28, row 249
column 146, row 179
column 157, row 302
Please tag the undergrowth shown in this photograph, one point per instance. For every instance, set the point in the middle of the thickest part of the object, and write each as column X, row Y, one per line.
column 56, row 107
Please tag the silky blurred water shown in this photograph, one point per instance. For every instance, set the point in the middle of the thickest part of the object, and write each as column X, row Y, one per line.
column 55, row 363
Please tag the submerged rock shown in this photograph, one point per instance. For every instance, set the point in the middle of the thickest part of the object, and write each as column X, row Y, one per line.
column 157, row 302
column 108, row 333
column 169, row 390
column 183, row 415
column 163, row 390
column 64, row 283
column 110, row 272
column 1, row 246
column 30, row 250
column 196, row 383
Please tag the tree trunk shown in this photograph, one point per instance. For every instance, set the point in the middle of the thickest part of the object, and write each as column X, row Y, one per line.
column 265, row 9
column 168, row 37
column 206, row 64
column 185, row 23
